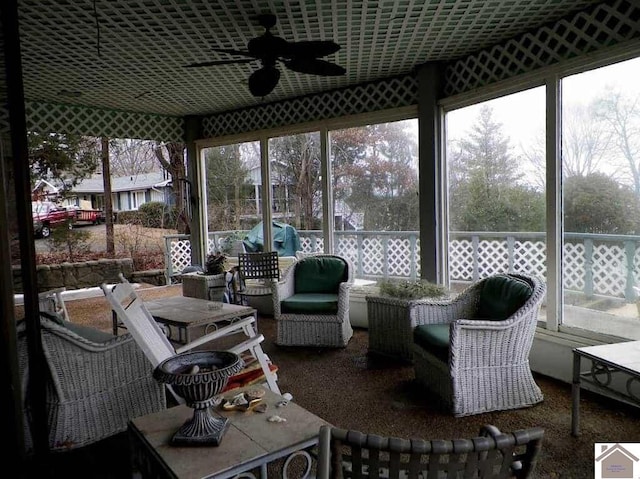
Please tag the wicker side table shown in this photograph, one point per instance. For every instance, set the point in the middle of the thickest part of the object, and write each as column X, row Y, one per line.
column 203, row 286
column 390, row 327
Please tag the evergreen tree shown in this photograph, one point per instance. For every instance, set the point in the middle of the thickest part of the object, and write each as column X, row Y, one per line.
column 64, row 159
column 486, row 192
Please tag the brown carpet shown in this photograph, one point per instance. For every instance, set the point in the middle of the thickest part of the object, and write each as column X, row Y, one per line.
column 351, row 390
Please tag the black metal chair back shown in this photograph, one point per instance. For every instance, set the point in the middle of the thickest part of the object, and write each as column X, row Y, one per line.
column 492, row 455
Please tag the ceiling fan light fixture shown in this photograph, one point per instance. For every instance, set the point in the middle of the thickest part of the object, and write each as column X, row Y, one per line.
column 263, row 81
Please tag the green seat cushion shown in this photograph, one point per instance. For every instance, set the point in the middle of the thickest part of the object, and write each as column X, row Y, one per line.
column 433, row 338
column 501, row 296
column 319, row 275
column 310, row 303
column 87, row 332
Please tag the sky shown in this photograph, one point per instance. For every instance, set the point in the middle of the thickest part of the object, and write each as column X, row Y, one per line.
column 524, row 112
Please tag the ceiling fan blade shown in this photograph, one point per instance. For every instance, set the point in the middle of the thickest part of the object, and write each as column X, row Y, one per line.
column 311, row 49
column 314, row 66
column 233, row 52
column 219, row 62
column 263, row 81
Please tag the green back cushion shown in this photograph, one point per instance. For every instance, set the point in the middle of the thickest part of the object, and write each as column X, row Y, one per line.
column 433, row 338
column 319, row 275
column 501, row 296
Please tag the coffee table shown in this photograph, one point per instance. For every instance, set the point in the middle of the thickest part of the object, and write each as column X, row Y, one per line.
column 606, row 360
column 251, row 442
column 186, row 313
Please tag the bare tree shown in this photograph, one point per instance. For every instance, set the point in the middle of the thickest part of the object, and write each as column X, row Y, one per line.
column 174, row 164
column 131, row 157
column 586, row 145
column 621, row 115
column 108, row 207
column 585, row 141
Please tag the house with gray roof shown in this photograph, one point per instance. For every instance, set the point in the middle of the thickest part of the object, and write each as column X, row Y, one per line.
column 127, row 192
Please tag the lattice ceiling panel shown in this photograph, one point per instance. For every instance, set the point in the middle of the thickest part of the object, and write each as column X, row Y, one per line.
column 130, row 55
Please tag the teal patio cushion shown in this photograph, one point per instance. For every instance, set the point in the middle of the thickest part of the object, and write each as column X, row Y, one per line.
column 319, row 275
column 433, row 338
column 91, row 334
column 501, row 296
column 311, row 303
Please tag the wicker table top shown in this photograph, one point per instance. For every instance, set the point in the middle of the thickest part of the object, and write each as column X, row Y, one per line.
column 186, row 311
column 250, row 442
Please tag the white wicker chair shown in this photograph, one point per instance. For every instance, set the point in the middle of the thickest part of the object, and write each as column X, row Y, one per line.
column 485, row 365
column 96, row 383
column 308, row 329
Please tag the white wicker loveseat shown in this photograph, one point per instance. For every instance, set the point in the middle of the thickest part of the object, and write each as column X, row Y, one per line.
column 96, row 383
column 473, row 352
column 311, row 302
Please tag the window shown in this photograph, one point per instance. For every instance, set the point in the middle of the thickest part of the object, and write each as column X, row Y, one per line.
column 233, row 197
column 601, row 199
column 495, row 159
column 375, row 198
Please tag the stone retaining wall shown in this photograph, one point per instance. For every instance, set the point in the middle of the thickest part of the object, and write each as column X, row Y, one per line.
column 78, row 275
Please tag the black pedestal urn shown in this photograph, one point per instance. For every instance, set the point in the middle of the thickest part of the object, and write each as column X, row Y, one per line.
column 198, row 377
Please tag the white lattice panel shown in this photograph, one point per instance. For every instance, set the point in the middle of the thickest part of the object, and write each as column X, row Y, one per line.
column 399, row 257
column 609, row 270
column 573, row 266
column 347, row 246
column 308, row 245
column 212, row 246
column 530, row 257
column 602, row 25
column 636, row 266
column 96, row 122
column 493, row 258
column 384, row 94
column 180, row 253
column 373, row 254
column 461, row 260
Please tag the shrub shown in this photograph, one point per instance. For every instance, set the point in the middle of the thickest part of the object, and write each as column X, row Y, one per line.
column 156, row 214
column 408, row 289
column 131, row 217
column 75, row 243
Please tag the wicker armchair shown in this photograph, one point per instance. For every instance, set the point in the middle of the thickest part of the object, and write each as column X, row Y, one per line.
column 311, row 302
column 491, row 455
column 96, row 383
column 474, row 356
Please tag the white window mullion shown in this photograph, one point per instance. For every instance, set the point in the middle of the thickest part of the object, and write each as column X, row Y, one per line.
column 327, row 192
column 554, row 203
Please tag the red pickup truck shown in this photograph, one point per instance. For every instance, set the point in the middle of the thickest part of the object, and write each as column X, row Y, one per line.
column 47, row 215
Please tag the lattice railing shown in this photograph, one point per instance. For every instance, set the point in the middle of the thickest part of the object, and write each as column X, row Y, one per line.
column 607, row 265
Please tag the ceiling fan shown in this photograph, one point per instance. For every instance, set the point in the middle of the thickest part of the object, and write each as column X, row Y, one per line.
column 302, row 57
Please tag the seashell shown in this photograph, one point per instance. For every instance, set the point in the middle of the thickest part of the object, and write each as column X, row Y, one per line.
column 239, row 400
column 276, row 419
